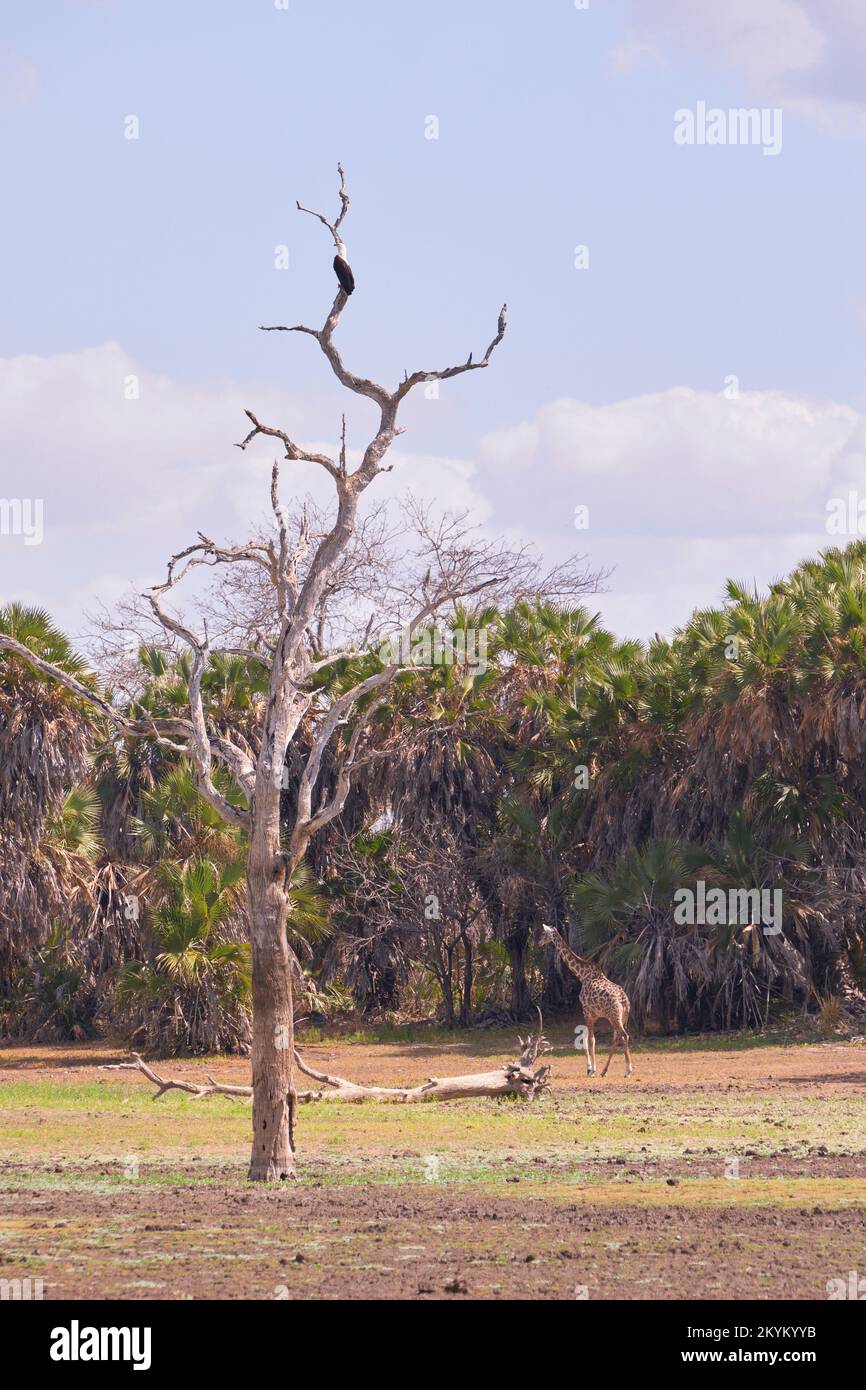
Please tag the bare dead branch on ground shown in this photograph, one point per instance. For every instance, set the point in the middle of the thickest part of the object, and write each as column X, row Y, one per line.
column 512, row 1079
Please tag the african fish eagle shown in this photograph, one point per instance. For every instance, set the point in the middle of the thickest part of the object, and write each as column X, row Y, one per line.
column 344, row 273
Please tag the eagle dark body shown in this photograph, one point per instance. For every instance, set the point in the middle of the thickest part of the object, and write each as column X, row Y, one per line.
column 344, row 274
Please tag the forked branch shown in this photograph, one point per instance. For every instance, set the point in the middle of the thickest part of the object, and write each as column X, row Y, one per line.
column 388, row 401
column 334, row 227
column 163, row 1083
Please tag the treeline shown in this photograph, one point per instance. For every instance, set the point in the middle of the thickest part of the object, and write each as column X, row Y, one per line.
column 539, row 770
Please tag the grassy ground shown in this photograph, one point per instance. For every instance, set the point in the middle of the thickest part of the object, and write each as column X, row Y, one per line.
column 718, row 1169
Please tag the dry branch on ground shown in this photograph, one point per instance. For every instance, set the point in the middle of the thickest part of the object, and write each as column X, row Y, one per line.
column 519, row 1078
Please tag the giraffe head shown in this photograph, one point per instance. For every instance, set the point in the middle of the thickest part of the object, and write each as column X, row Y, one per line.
column 549, row 933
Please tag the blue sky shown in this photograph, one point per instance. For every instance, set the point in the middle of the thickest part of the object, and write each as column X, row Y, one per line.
column 155, row 257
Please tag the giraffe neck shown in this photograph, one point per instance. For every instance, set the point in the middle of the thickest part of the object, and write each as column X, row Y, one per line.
column 576, row 964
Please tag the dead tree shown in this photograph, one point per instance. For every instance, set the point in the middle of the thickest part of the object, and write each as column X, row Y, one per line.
column 299, row 568
column 517, row 1079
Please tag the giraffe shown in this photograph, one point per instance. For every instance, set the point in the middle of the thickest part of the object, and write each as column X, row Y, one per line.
column 599, row 997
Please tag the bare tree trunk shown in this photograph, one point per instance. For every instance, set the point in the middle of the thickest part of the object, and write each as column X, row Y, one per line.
column 273, row 1051
column 448, row 985
column 466, row 1002
column 515, row 944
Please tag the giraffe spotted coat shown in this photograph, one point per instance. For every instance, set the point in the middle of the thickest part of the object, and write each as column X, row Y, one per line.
column 600, row 998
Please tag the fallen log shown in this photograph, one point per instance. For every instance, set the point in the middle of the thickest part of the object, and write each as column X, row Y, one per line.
column 513, row 1079
column 510, row 1080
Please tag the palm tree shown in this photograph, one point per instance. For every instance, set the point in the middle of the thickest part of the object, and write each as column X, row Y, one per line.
column 76, row 826
column 752, row 967
column 43, row 729
column 436, row 777
column 564, row 686
column 44, row 737
column 625, row 917
column 575, row 772
column 175, row 819
column 193, row 994
column 58, row 988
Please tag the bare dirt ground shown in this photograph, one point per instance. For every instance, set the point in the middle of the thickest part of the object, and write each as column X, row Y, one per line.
column 717, row 1171
column 822, row 1065
column 374, row 1243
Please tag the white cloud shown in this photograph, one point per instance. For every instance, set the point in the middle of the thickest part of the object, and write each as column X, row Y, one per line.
column 687, row 460
column 127, row 482
column 806, row 55
column 684, row 488
column 660, row 580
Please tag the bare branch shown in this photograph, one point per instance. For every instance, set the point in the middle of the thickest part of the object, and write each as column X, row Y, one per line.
column 306, row 823
column 200, row 743
column 334, row 227
column 56, row 673
column 200, row 748
column 294, row 453
column 512, row 1079
column 469, row 366
column 362, row 386
column 388, row 401
column 163, row 1084
column 346, row 655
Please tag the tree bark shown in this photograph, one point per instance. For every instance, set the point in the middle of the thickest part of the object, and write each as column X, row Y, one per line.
column 516, row 946
column 447, row 983
column 273, row 1050
column 466, row 1002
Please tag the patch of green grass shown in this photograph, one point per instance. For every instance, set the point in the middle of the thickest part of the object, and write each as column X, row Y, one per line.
column 516, row 1179
column 99, row 1121
column 99, row 1097
column 102, row 1120
column 30, row 1179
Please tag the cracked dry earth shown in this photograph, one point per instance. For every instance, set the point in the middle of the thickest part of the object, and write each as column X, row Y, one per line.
column 710, row 1174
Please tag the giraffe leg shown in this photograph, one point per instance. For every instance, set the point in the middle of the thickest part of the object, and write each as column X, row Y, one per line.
column 613, row 1046
column 628, row 1066
column 590, row 1027
column 586, row 1036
